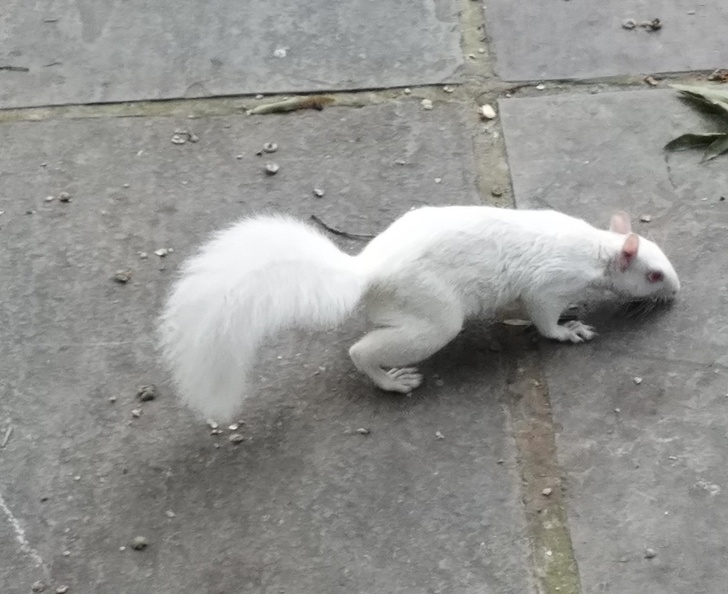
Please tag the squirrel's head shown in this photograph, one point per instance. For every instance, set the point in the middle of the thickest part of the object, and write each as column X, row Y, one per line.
column 639, row 269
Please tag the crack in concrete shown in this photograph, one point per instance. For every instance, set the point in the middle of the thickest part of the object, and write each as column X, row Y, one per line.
column 543, row 488
column 25, row 546
column 669, row 171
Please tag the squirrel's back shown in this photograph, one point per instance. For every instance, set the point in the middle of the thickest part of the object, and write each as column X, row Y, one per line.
column 483, row 253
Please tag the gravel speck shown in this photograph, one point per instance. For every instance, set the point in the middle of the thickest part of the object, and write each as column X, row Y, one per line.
column 122, row 276
column 146, row 393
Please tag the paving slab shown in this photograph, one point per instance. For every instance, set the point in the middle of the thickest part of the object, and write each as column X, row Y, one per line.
column 645, row 461
column 567, row 40
column 104, row 51
column 306, row 504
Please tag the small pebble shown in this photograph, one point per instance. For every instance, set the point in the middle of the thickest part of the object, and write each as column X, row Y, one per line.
column 618, row 410
column 233, row 427
column 212, row 424
column 77, row 477
column 50, row 198
column 270, row 147
column 178, row 139
column 500, row 461
column 64, row 197
column 318, row 192
column 407, row 91
column 139, row 543
column 112, row 399
column 650, row 554
column 645, row 218
column 125, row 185
column 651, row 80
column 136, row 413
column 239, row 157
column 38, row 586
column 66, row 553
column 122, row 276
column 438, row 180
column 486, row 112
column 427, row 104
column 271, row 168
column 637, row 380
column 623, row 559
column 143, row 255
column 62, row 589
column 122, row 548
column 629, row 24
column 439, row 435
column 161, row 252
column 481, row 50
column 236, row 438
column 146, row 393
column 363, row 431
column 547, row 491
column 496, row 192
column 448, row 89
column 259, row 96
column 540, row 86
column 170, row 514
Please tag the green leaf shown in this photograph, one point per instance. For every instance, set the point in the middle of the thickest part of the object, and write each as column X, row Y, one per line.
column 707, row 95
column 687, row 141
column 718, row 147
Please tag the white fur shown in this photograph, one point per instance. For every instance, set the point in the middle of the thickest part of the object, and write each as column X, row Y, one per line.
column 419, row 280
column 257, row 277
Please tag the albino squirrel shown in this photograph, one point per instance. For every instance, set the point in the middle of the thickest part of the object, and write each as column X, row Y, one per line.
column 418, row 282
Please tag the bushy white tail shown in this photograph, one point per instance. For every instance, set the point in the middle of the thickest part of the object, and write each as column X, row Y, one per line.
column 261, row 275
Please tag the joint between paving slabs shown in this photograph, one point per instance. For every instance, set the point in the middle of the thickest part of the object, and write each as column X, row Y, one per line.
column 542, row 482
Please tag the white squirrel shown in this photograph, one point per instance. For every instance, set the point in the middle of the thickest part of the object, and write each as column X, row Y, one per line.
column 418, row 282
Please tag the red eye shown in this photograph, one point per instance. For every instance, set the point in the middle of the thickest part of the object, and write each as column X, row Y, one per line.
column 654, row 277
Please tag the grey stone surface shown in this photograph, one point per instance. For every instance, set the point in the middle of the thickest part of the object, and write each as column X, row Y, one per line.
column 105, row 50
column 645, row 463
column 567, row 40
column 306, row 504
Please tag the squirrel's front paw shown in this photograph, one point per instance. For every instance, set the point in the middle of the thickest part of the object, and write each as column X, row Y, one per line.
column 575, row 332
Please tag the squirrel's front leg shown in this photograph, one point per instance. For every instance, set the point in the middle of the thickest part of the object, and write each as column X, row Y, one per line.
column 545, row 313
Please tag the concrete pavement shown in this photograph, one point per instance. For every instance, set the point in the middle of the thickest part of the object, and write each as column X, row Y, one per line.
column 440, row 492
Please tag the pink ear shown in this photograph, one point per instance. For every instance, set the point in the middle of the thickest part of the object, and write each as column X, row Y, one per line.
column 629, row 251
column 620, row 223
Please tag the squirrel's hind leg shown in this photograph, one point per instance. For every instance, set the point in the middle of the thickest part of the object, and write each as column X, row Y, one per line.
column 406, row 339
